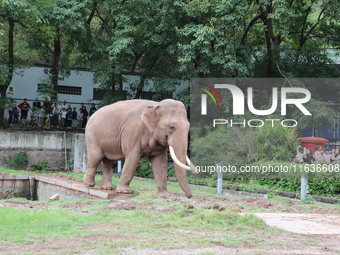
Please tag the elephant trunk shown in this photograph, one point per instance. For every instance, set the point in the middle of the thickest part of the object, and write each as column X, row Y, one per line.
column 179, row 158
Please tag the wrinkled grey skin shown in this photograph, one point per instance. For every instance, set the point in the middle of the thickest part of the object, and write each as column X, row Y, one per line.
column 131, row 129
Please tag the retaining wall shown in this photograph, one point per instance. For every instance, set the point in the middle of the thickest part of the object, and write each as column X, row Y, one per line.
column 58, row 148
column 40, row 187
column 14, row 186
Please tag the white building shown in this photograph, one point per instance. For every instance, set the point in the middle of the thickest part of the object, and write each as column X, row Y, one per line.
column 75, row 89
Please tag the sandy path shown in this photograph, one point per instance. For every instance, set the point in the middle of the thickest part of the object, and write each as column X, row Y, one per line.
column 303, row 223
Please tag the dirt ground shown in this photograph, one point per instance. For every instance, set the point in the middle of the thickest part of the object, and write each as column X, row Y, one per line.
column 321, row 224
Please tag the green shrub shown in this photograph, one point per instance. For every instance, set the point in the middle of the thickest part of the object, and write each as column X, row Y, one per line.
column 41, row 166
column 229, row 146
column 276, row 143
column 70, row 165
column 316, row 186
column 144, row 169
column 19, row 161
column 171, row 170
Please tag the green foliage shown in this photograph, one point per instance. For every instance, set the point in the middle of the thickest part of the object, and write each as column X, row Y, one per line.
column 277, row 142
column 4, row 124
column 324, row 186
column 316, row 186
column 170, row 40
column 232, row 146
column 144, row 169
column 171, row 170
column 7, row 102
column 46, row 88
column 41, row 166
column 19, row 161
column 70, row 165
column 322, row 116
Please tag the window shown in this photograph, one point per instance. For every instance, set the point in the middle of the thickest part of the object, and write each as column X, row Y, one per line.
column 68, row 90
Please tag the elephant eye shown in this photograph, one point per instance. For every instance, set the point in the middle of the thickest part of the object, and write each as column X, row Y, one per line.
column 172, row 128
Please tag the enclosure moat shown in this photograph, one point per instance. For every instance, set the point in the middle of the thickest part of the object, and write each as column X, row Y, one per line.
column 40, row 187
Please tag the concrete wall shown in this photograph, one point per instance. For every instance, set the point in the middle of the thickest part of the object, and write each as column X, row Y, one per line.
column 56, row 147
column 79, row 153
column 14, row 186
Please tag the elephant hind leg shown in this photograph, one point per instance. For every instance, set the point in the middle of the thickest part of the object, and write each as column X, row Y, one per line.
column 107, row 174
column 94, row 159
column 91, row 173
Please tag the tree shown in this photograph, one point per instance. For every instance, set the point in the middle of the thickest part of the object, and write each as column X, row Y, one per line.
column 296, row 34
column 11, row 13
column 127, row 38
column 50, row 35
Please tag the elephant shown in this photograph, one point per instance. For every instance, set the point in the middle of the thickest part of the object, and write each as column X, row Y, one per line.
column 131, row 129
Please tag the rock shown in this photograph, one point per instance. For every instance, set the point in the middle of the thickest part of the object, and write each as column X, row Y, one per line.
column 214, row 206
column 55, row 197
column 189, row 206
column 236, row 209
column 221, row 208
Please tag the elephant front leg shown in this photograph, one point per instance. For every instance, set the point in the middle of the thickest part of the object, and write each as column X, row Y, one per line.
column 160, row 171
column 128, row 171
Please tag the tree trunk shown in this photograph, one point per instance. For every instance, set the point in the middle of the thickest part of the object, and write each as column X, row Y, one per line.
column 10, row 66
column 140, row 86
column 269, row 55
column 55, row 66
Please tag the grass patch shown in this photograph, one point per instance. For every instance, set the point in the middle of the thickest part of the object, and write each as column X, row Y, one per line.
column 153, row 224
column 19, row 225
column 171, row 230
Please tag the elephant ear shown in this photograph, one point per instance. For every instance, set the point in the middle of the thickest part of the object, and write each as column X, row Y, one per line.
column 149, row 117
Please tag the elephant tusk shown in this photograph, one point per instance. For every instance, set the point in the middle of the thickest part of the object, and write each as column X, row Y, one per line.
column 179, row 163
column 188, row 160
column 192, row 166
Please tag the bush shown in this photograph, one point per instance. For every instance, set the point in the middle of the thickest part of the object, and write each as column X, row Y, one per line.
column 144, row 169
column 231, row 146
column 4, row 124
column 171, row 170
column 19, row 161
column 276, row 143
column 70, row 165
column 316, row 186
column 240, row 146
column 41, row 166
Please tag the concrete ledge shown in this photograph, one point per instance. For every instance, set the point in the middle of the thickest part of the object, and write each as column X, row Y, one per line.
column 45, row 179
column 78, row 188
column 14, row 177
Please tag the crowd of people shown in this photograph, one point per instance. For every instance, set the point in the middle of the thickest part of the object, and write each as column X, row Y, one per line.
column 51, row 115
column 321, row 155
